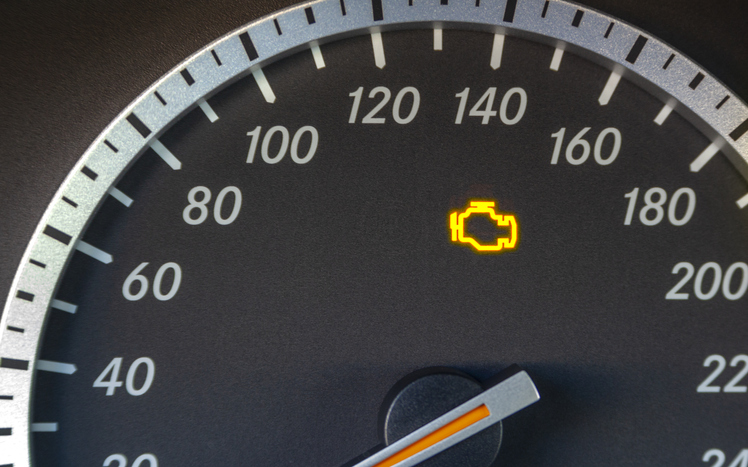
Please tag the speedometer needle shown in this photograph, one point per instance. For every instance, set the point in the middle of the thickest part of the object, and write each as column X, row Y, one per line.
column 488, row 408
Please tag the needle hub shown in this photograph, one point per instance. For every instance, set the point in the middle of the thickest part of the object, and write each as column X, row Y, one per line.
column 424, row 396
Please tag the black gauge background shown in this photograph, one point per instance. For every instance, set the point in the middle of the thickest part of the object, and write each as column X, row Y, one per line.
column 67, row 69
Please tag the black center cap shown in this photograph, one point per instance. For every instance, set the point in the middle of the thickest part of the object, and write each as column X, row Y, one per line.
column 424, row 396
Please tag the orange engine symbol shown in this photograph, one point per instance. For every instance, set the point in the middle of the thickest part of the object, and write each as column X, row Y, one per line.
column 457, row 226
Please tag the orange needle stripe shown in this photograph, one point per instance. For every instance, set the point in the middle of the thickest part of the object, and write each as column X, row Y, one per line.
column 456, row 425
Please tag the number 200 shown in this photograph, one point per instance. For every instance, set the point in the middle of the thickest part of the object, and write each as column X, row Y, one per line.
column 728, row 291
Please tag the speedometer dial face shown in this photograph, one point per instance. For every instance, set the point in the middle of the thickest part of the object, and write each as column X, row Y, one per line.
column 248, row 264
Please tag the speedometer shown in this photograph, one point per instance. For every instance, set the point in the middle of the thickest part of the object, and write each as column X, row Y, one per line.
column 394, row 233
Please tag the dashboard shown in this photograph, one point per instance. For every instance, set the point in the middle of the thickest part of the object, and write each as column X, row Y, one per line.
column 69, row 68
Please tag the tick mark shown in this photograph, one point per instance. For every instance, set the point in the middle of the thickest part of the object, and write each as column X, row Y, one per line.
column 89, row 173
column 13, row 364
column 138, row 125
column 378, row 46
column 29, row 297
column 742, row 202
column 342, row 7
column 377, row 11
column 663, row 114
column 511, row 7
column 160, row 99
column 558, row 54
column 187, row 77
column 545, row 9
column 738, row 132
column 705, row 156
column 207, row 109
column 249, row 46
column 722, row 102
column 93, row 252
column 215, row 57
column 437, row 39
column 15, row 329
column 6, row 398
column 56, row 367
column 265, row 89
column 58, row 235
column 641, row 41
column 111, row 146
column 610, row 88
column 70, row 201
column 696, row 80
column 165, row 154
column 497, row 51
column 610, row 28
column 6, row 432
column 37, row 263
column 319, row 60
column 119, row 196
column 309, row 15
column 44, row 427
column 577, row 18
column 667, row 63
column 277, row 27
column 63, row 306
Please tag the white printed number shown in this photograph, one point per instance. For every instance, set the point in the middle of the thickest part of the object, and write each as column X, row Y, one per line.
column 484, row 107
column 142, row 281
column 121, row 461
column 400, row 113
column 578, row 150
column 200, row 207
column 109, row 378
column 275, row 154
column 734, row 282
column 721, row 362
column 741, row 460
column 653, row 211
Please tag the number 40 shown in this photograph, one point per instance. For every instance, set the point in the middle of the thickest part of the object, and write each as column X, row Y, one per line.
column 109, row 378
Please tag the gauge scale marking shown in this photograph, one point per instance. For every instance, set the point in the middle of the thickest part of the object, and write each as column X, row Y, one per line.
column 626, row 51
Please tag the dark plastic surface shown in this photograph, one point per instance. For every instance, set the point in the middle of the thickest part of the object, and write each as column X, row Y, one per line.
column 67, row 68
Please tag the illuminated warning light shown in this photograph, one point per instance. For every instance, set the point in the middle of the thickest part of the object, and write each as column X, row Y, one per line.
column 457, row 226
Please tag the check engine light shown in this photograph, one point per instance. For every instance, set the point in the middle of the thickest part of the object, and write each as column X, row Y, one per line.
column 457, row 226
